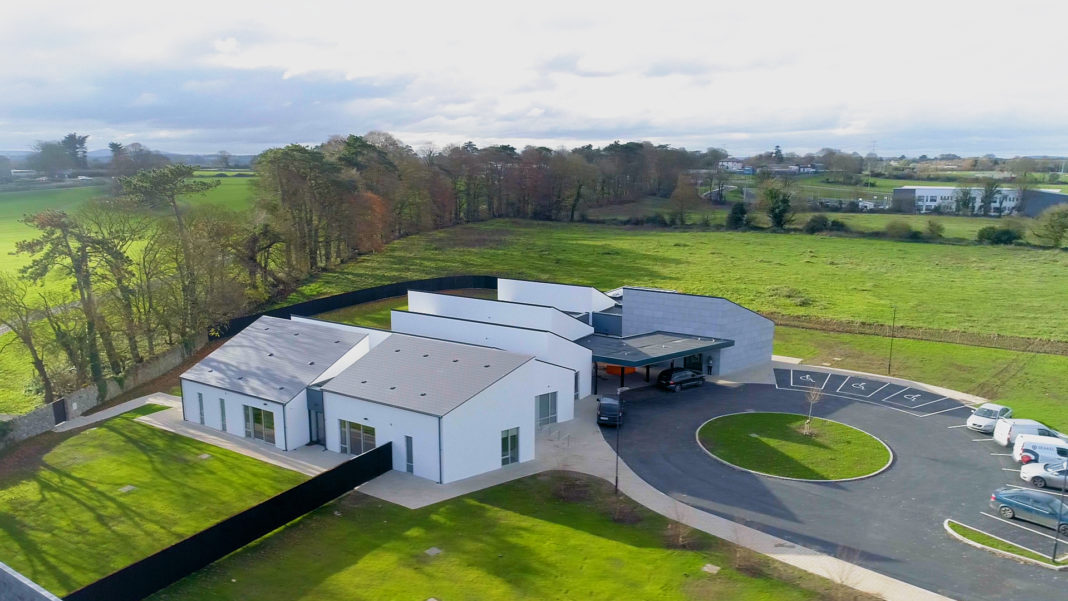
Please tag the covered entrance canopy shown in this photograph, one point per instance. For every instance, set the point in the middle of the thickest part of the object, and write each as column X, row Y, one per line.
column 644, row 350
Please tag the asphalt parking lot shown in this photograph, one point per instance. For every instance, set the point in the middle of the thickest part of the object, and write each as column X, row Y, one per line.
column 892, row 522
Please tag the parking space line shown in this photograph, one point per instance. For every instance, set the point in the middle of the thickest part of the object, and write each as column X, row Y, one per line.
column 825, row 380
column 1002, row 454
column 867, row 394
column 1002, row 539
column 1009, row 469
column 982, row 440
column 960, row 426
column 1018, row 526
column 1033, row 489
column 850, row 398
column 945, row 410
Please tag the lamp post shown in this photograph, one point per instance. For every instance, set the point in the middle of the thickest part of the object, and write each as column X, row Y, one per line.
column 1060, row 516
column 619, row 426
column 893, row 324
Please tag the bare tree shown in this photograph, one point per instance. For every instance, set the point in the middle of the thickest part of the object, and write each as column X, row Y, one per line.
column 17, row 314
column 812, row 397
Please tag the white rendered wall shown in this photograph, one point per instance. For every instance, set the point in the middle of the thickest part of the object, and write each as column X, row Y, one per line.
column 391, row 425
column 235, row 410
column 647, row 311
column 542, row 345
column 576, row 299
column 471, row 433
column 297, row 426
column 510, row 314
column 376, row 336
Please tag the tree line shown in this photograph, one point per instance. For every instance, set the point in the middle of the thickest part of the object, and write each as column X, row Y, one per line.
column 148, row 270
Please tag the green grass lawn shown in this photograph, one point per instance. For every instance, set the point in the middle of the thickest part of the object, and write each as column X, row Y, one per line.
column 376, row 314
column 776, row 444
column 235, row 193
column 966, row 288
column 64, row 522
column 984, row 539
column 1031, row 383
column 550, row 536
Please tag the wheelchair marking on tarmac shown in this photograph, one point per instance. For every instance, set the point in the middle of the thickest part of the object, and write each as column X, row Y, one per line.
column 806, row 376
column 861, row 385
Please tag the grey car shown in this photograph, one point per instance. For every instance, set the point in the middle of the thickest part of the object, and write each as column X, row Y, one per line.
column 1032, row 506
column 1046, row 474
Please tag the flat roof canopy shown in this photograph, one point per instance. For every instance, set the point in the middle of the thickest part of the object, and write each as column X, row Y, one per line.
column 647, row 349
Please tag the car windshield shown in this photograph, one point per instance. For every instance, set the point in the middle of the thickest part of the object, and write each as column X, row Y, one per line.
column 1056, row 467
column 986, row 412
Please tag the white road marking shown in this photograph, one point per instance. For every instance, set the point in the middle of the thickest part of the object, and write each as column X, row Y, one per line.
column 1021, row 527
column 860, row 386
column 945, row 410
column 1002, row 454
column 1040, row 553
column 1009, row 469
column 960, row 426
column 851, row 398
column 1033, row 489
column 982, row 440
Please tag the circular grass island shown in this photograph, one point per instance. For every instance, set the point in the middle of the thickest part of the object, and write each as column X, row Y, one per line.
column 777, row 444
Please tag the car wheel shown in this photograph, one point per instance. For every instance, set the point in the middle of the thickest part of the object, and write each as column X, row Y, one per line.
column 676, row 388
column 1006, row 512
column 1039, row 481
column 1063, row 529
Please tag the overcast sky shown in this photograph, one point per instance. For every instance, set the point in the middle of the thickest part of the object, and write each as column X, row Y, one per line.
column 905, row 77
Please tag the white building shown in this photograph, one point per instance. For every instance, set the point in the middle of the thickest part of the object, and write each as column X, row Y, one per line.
column 943, row 199
column 460, row 385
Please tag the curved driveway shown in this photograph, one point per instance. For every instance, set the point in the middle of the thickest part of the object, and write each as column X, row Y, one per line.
column 890, row 523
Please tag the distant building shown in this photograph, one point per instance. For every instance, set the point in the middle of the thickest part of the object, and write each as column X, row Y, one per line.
column 732, row 164
column 942, row 199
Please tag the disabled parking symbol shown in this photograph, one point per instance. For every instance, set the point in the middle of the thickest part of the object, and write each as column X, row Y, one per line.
column 807, row 378
column 859, row 386
column 911, row 397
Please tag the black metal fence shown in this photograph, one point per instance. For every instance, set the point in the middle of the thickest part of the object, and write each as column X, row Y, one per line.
column 155, row 572
column 355, row 297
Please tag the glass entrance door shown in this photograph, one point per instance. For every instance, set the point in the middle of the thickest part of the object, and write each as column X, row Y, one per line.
column 317, row 423
column 546, row 410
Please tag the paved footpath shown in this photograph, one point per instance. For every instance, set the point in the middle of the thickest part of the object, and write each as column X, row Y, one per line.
column 158, row 398
column 578, row 446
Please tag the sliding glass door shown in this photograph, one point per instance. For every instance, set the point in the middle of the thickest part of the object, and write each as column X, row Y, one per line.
column 259, row 424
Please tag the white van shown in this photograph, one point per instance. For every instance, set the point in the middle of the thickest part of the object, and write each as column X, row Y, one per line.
column 1029, row 448
column 1006, row 430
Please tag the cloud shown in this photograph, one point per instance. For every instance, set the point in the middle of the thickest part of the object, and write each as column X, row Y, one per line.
column 915, row 77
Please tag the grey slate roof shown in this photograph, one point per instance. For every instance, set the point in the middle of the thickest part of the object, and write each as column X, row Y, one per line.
column 646, row 349
column 424, row 374
column 273, row 358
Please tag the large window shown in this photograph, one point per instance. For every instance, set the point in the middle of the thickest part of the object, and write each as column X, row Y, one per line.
column 200, row 405
column 576, row 385
column 356, row 438
column 510, row 446
column 222, row 413
column 546, row 408
column 259, row 424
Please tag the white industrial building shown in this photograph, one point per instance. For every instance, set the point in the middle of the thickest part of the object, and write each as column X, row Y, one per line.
column 459, row 385
column 943, row 199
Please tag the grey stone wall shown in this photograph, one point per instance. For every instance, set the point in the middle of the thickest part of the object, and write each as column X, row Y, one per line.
column 78, row 402
column 650, row 310
column 16, row 587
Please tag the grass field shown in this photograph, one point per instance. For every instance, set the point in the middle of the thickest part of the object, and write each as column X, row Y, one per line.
column 963, row 228
column 232, row 192
column 989, row 541
column 550, row 536
column 967, row 288
column 64, row 522
column 777, row 444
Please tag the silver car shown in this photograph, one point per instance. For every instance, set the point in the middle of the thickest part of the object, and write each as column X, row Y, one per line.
column 986, row 416
column 1046, row 474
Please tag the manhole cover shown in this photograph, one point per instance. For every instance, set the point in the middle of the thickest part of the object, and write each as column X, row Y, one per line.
column 203, row 456
column 432, row 551
column 710, row 569
column 127, row 488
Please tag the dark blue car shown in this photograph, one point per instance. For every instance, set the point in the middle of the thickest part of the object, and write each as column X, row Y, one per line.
column 1037, row 507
